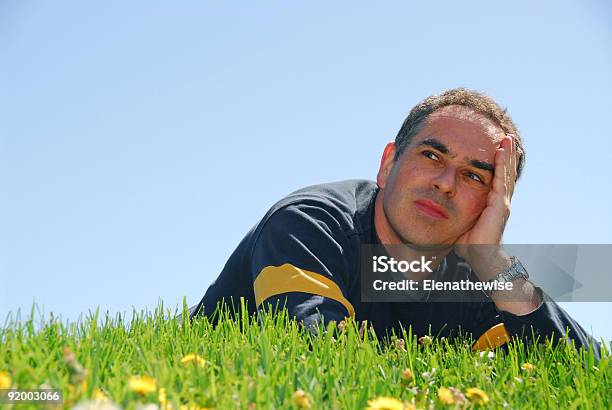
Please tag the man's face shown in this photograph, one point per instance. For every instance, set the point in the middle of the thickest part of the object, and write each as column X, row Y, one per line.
column 438, row 188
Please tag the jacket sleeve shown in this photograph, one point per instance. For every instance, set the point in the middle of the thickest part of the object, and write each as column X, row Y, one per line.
column 299, row 262
column 549, row 321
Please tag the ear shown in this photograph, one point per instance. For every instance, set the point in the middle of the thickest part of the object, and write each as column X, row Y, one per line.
column 386, row 164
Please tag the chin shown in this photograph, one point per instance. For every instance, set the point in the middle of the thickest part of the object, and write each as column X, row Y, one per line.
column 426, row 242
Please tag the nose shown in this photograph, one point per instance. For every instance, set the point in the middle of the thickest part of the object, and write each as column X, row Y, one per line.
column 445, row 181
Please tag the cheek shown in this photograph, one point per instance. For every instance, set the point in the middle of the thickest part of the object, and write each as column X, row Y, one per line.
column 410, row 178
column 475, row 203
column 398, row 181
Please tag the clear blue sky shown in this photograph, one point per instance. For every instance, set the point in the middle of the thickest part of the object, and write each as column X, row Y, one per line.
column 140, row 140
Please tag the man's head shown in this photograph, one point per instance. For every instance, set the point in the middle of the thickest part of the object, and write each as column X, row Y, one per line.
column 436, row 176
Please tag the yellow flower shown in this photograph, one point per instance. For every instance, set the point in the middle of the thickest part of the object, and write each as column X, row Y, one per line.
column 301, row 399
column 193, row 358
column 527, row 367
column 5, row 380
column 407, row 375
column 98, row 395
column 162, row 397
column 445, row 396
column 142, row 384
column 385, row 403
column 475, row 395
column 425, row 340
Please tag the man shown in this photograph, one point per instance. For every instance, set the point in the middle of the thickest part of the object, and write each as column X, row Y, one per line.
column 444, row 185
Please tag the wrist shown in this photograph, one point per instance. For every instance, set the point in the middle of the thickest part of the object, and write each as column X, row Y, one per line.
column 487, row 261
column 523, row 299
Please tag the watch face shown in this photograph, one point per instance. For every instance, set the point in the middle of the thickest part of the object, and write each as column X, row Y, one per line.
column 516, row 270
column 513, row 274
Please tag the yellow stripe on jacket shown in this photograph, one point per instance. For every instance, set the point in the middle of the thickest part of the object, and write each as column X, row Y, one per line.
column 276, row 280
column 492, row 338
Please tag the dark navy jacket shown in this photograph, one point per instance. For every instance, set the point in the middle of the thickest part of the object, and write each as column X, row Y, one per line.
column 304, row 254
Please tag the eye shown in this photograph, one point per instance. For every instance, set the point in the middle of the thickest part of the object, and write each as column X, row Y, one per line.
column 475, row 177
column 430, row 155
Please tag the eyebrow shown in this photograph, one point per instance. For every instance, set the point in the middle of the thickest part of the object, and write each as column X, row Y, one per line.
column 482, row 165
column 434, row 143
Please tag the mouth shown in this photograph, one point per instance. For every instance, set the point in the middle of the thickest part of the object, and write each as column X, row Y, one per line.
column 430, row 208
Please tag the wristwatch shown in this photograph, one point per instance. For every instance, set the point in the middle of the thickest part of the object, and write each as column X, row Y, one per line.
column 515, row 271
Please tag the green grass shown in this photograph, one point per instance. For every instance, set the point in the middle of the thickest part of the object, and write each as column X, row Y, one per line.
column 260, row 363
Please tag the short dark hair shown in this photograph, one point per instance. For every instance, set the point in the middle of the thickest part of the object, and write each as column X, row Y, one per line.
column 477, row 101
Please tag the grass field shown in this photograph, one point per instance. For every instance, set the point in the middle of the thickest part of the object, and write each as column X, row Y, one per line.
column 270, row 362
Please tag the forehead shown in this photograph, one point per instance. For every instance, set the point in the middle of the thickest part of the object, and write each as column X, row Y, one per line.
column 462, row 130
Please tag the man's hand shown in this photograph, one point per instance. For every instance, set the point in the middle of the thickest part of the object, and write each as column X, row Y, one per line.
column 481, row 245
column 489, row 228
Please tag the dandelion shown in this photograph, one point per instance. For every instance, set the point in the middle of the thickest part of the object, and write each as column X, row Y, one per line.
column 425, row 340
column 193, row 358
column 98, row 395
column 407, row 375
column 162, row 397
column 385, row 403
column 477, row 396
column 142, row 384
column 445, row 396
column 301, row 399
column 528, row 367
column 5, row 380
